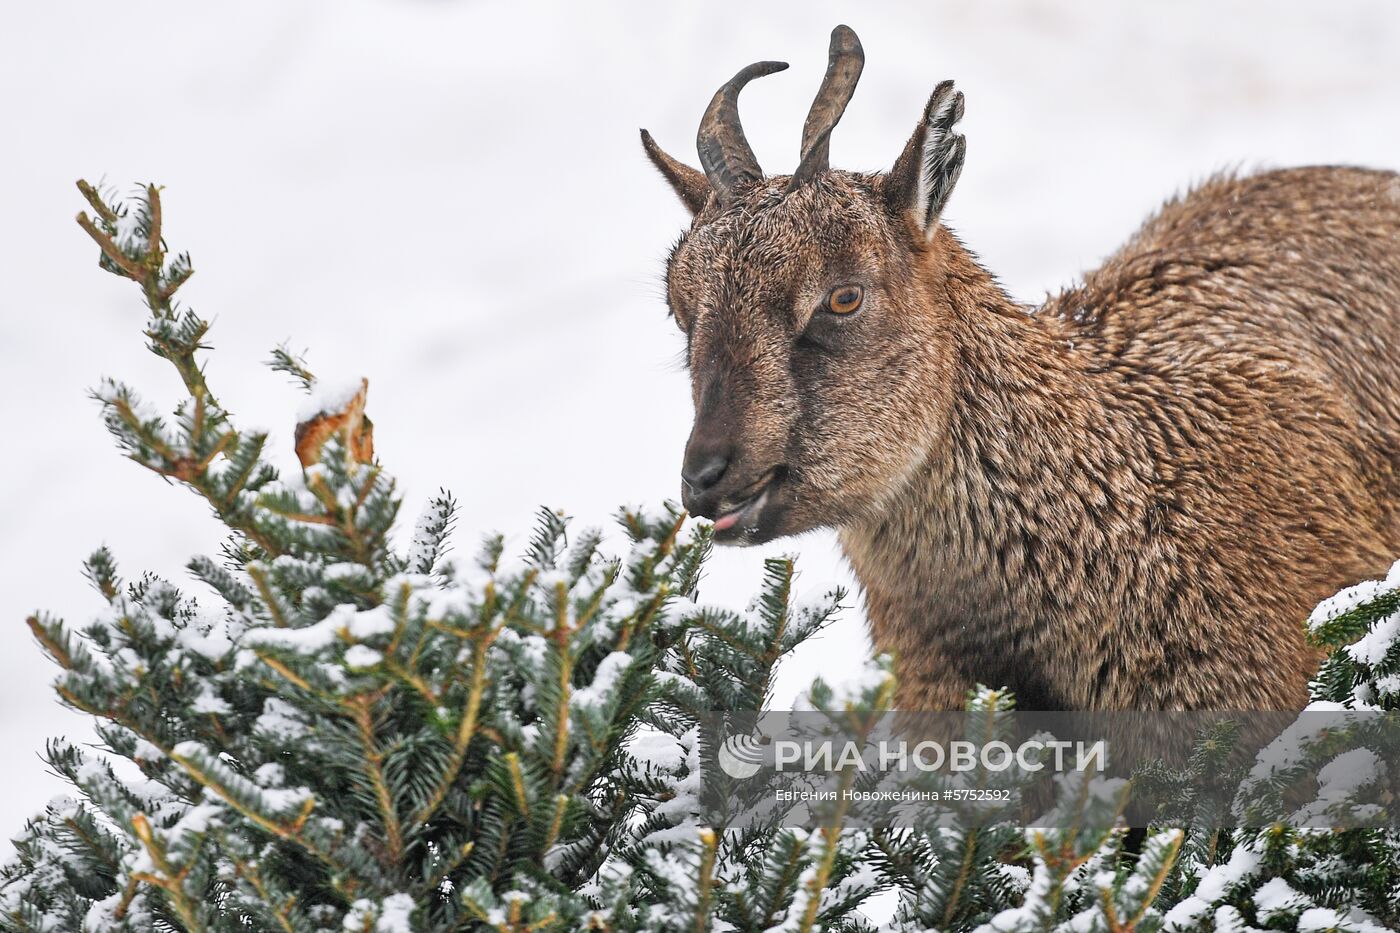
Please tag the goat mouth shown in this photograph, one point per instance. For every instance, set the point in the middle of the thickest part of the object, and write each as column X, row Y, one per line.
column 743, row 518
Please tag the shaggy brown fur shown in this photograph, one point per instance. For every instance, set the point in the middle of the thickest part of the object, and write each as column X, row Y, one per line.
column 1128, row 498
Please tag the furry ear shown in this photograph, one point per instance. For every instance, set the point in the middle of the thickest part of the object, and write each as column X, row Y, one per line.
column 690, row 184
column 926, row 171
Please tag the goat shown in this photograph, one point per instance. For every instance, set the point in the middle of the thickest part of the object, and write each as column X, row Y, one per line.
column 1127, row 498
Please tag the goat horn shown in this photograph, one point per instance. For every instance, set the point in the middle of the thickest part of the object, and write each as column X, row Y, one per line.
column 724, row 152
column 843, row 67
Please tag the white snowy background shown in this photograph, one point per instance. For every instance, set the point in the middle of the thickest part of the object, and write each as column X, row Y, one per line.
column 448, row 197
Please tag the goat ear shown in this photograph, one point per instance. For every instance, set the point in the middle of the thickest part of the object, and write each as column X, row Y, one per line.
column 926, row 171
column 691, row 184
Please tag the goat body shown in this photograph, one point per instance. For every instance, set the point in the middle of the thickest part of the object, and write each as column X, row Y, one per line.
column 1150, row 481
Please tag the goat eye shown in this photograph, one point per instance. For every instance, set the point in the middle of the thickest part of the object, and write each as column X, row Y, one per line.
column 845, row 299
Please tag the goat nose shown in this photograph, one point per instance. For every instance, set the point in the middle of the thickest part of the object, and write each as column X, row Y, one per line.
column 704, row 467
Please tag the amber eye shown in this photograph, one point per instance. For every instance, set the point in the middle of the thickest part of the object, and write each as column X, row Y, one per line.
column 844, row 299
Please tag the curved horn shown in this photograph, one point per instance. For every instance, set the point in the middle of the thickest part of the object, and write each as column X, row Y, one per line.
column 843, row 67
column 724, row 152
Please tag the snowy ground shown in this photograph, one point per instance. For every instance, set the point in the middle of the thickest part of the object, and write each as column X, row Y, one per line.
column 449, row 198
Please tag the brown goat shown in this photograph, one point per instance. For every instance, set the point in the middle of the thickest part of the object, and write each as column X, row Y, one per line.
column 1128, row 498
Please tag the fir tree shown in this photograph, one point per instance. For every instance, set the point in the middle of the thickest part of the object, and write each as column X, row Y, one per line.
column 339, row 736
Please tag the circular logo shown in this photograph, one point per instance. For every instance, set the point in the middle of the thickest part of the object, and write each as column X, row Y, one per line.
column 740, row 756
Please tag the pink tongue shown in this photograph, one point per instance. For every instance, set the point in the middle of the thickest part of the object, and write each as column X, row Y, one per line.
column 726, row 521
